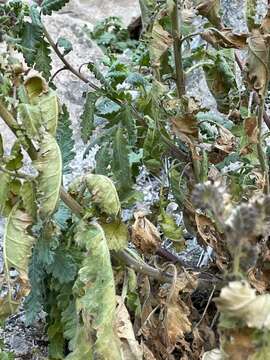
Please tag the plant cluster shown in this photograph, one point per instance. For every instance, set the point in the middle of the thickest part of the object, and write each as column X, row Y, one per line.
column 109, row 286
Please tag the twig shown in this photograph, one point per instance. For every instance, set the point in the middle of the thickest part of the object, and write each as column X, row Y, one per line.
column 57, row 72
column 66, row 63
column 180, row 79
column 206, row 308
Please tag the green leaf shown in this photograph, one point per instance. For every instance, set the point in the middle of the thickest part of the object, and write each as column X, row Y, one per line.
column 65, row 139
column 221, row 80
column 82, row 348
column 87, row 117
column 103, row 159
column 116, row 234
column 4, row 191
column 43, row 61
column 63, row 267
column 120, row 164
column 65, row 44
column 95, row 290
column 28, row 195
column 30, row 37
column 49, row 166
column 103, row 193
column 48, row 6
column 18, row 243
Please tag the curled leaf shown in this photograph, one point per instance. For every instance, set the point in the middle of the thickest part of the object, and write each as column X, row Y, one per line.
column 104, row 193
column 225, row 38
column 256, row 68
column 42, row 109
column 18, row 242
column 95, row 290
column 144, row 234
column 49, row 166
column 116, row 234
column 160, row 41
column 210, row 9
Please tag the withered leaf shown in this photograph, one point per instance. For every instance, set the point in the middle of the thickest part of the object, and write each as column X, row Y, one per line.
column 160, row 41
column 214, row 354
column 225, row 38
column 251, row 134
column 129, row 345
column 265, row 25
column 256, row 68
column 225, row 141
column 144, row 234
column 210, row 9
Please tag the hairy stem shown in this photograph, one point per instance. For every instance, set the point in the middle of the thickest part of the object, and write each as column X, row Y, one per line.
column 261, row 154
column 176, row 33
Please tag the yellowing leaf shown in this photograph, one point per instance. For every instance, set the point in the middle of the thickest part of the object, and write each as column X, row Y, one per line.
column 43, row 109
column 49, row 166
column 116, row 234
column 95, row 292
column 18, row 243
column 104, row 193
column 144, row 234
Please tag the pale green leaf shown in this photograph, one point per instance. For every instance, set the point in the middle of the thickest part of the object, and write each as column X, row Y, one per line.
column 49, row 166
column 28, row 195
column 65, row 44
column 116, row 234
column 43, row 110
column 4, row 190
column 95, row 287
column 87, row 117
column 18, row 243
column 104, row 193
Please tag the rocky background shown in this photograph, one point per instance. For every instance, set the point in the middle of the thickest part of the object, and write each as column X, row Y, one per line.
column 30, row 342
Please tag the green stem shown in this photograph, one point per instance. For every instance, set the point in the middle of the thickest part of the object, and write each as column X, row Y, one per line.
column 176, row 33
column 261, row 154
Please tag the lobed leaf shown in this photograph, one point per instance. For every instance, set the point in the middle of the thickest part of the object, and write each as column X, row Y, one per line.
column 65, row 139
column 48, row 6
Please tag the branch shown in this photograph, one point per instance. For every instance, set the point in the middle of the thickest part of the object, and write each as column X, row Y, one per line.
column 66, row 63
column 180, row 79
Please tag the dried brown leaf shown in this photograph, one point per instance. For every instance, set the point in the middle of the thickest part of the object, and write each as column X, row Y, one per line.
column 130, row 347
column 160, row 42
column 256, row 68
column 210, row 9
column 225, row 141
column 145, row 235
column 225, row 38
